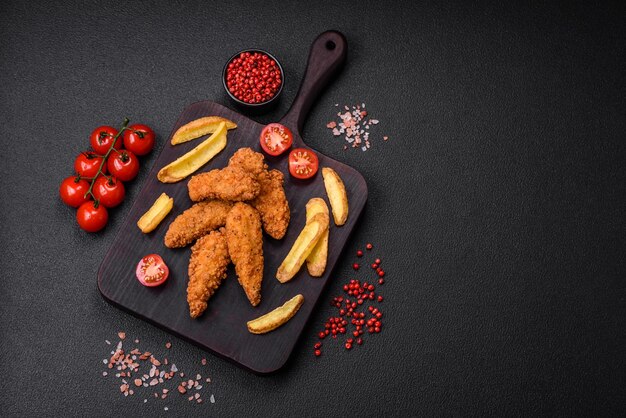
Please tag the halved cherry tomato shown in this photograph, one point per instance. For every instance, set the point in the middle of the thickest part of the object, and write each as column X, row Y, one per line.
column 124, row 165
column 276, row 139
column 102, row 137
column 91, row 216
column 73, row 191
column 87, row 164
column 110, row 191
column 139, row 139
column 303, row 163
column 152, row 271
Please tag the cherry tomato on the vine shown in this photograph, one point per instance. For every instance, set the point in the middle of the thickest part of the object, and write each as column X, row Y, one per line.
column 139, row 139
column 276, row 139
column 87, row 164
column 92, row 217
column 72, row 191
column 303, row 163
column 102, row 137
column 123, row 164
column 110, row 191
column 152, row 271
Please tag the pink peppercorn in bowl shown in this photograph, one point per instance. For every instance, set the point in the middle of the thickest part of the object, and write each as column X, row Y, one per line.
column 254, row 80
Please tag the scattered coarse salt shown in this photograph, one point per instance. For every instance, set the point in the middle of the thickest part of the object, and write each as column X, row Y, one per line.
column 165, row 408
column 147, row 373
column 354, row 126
column 212, row 398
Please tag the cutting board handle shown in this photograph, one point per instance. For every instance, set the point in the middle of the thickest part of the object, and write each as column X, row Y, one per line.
column 328, row 53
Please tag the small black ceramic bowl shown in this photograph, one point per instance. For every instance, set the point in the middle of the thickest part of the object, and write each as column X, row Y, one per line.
column 255, row 108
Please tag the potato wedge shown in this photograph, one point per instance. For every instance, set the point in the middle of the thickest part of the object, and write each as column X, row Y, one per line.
column 302, row 247
column 197, row 128
column 316, row 261
column 157, row 212
column 194, row 159
column 337, row 195
column 279, row 316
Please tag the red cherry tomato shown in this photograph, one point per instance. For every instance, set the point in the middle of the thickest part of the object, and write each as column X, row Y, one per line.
column 102, row 137
column 276, row 139
column 73, row 191
column 152, row 271
column 139, row 139
column 92, row 217
column 303, row 163
column 124, row 165
column 110, row 191
column 87, row 164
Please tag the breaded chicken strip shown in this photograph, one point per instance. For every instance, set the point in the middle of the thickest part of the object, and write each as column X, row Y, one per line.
column 251, row 161
column 245, row 246
column 196, row 222
column 271, row 202
column 229, row 183
column 207, row 270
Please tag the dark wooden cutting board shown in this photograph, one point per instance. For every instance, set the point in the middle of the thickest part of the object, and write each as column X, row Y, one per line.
column 222, row 328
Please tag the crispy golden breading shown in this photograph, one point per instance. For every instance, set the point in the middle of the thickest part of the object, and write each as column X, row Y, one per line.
column 196, row 222
column 271, row 202
column 245, row 246
column 251, row 161
column 229, row 183
column 207, row 269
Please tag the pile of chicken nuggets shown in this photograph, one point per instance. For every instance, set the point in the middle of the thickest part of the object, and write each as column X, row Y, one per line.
column 234, row 205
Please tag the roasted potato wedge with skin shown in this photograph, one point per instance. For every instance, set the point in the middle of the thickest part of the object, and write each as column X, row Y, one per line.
column 279, row 316
column 199, row 127
column 337, row 195
column 316, row 261
column 302, row 247
column 194, row 159
column 153, row 216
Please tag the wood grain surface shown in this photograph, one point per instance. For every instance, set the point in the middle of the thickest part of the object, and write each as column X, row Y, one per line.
column 222, row 328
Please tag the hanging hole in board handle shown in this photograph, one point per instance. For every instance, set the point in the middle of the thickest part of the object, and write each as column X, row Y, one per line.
column 326, row 57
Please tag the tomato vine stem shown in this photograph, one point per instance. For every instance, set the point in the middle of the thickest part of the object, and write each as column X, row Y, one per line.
column 105, row 157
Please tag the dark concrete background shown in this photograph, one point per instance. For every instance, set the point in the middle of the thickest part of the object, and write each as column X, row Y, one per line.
column 497, row 204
